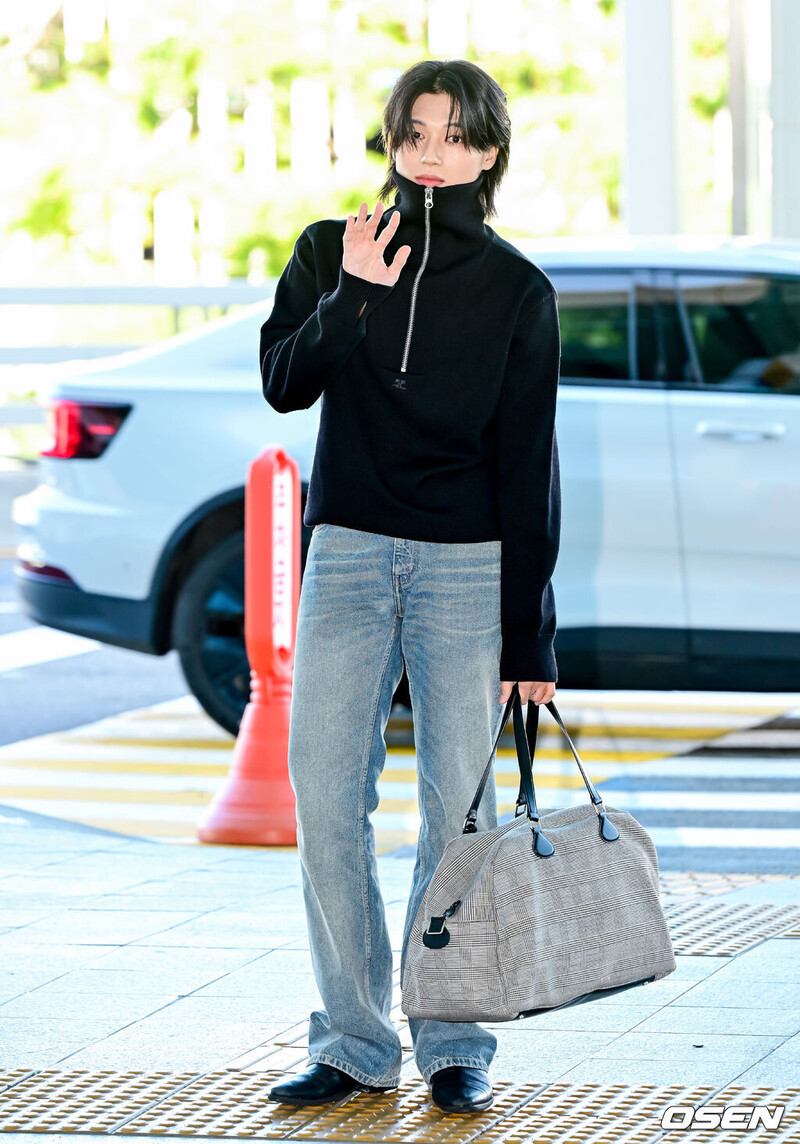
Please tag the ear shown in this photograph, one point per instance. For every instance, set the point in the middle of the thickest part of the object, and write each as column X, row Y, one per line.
column 491, row 155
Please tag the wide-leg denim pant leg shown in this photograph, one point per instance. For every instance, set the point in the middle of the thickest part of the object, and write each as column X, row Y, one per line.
column 368, row 601
column 451, row 642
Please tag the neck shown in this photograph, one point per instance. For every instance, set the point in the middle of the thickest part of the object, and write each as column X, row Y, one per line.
column 456, row 206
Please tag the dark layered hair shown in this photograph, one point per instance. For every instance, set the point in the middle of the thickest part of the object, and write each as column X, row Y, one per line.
column 476, row 100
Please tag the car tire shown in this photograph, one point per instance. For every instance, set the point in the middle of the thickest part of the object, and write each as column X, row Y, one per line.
column 208, row 632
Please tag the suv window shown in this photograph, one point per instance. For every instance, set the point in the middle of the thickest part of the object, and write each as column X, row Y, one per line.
column 746, row 330
column 593, row 316
column 660, row 342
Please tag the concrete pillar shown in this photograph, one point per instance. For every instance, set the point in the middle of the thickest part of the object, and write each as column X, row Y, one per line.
column 749, row 55
column 737, row 102
column 655, row 109
column 785, row 113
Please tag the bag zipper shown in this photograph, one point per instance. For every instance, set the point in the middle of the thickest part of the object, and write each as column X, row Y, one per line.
column 428, row 205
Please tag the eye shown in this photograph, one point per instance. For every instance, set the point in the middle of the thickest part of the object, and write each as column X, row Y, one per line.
column 418, row 134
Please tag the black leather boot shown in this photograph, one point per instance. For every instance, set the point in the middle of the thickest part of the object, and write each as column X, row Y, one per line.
column 461, row 1089
column 319, row 1085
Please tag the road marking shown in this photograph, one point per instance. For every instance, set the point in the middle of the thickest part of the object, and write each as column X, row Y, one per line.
column 40, row 645
column 151, row 772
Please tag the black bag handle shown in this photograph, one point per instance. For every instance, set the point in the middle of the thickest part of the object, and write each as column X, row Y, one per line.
column 525, row 736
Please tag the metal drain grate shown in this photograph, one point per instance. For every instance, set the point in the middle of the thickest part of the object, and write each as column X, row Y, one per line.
column 714, row 928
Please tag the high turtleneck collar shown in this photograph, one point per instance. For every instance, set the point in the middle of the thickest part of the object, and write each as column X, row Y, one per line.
column 456, row 206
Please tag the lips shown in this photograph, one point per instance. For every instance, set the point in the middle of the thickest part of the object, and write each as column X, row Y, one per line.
column 433, row 179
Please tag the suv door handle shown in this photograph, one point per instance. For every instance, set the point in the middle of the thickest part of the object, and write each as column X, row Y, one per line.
column 740, row 432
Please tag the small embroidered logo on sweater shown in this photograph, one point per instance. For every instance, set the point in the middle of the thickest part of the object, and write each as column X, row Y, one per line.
column 399, row 383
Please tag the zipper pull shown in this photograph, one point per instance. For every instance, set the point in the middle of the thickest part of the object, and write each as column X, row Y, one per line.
column 429, row 196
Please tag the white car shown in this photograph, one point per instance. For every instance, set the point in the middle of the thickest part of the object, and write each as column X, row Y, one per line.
column 679, row 437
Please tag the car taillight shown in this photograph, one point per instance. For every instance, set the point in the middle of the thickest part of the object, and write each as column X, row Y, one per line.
column 82, row 429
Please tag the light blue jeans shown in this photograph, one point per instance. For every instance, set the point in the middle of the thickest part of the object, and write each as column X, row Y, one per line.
column 368, row 603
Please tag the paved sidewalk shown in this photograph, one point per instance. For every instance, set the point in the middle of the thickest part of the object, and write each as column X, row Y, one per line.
column 177, row 967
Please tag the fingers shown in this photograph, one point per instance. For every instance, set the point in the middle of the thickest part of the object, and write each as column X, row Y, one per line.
column 528, row 692
column 373, row 220
column 388, row 232
column 539, row 693
column 355, row 222
column 359, row 230
column 369, row 224
column 506, row 687
column 363, row 220
column 400, row 258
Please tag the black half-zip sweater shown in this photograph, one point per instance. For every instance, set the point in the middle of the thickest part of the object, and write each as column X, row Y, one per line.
column 438, row 407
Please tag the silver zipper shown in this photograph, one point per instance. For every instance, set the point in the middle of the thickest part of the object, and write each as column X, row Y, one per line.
column 428, row 205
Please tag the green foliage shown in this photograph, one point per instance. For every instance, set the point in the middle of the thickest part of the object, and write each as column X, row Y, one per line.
column 68, row 117
column 608, row 170
column 572, row 79
column 277, row 250
column 707, row 106
column 46, row 62
column 710, row 45
column 50, row 212
column 168, row 72
column 394, row 30
column 96, row 58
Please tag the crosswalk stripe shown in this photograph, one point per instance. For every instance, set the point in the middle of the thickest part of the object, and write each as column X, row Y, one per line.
column 32, row 646
column 144, row 767
column 150, row 772
column 587, row 731
column 397, row 797
column 167, row 744
column 717, row 837
column 97, row 794
column 84, row 810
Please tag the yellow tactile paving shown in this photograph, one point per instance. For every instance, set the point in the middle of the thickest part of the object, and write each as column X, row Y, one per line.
column 689, row 885
column 229, row 1103
column 152, row 771
column 703, row 928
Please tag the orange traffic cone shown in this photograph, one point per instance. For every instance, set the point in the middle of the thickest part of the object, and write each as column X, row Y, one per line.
column 255, row 805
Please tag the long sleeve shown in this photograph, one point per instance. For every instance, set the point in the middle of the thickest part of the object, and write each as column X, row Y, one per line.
column 307, row 339
column 529, row 494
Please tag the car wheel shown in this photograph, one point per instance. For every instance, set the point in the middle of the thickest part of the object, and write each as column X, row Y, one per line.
column 208, row 633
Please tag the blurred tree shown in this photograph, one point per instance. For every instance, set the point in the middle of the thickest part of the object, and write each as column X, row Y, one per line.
column 51, row 212
column 81, row 124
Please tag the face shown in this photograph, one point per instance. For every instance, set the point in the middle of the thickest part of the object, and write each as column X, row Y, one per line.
column 440, row 158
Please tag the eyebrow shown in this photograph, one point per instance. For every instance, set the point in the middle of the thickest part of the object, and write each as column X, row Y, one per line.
column 457, row 123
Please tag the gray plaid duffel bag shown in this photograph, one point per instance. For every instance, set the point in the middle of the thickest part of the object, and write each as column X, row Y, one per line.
column 542, row 912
